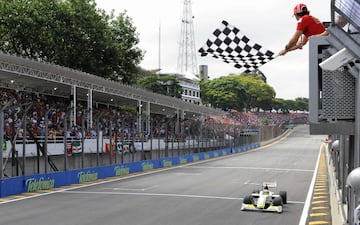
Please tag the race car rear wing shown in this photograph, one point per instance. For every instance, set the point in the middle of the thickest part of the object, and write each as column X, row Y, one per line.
column 269, row 184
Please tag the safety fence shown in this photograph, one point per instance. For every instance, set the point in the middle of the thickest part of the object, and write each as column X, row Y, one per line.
column 63, row 154
column 49, row 181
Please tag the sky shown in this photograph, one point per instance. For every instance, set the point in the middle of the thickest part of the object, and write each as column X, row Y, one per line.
column 269, row 23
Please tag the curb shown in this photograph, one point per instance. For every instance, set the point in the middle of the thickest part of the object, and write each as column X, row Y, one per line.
column 320, row 209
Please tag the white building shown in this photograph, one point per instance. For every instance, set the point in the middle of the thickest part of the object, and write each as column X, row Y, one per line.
column 190, row 85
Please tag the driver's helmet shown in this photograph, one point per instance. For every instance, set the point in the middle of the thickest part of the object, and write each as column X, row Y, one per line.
column 266, row 190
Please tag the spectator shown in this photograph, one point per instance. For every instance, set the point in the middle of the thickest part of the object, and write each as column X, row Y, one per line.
column 307, row 26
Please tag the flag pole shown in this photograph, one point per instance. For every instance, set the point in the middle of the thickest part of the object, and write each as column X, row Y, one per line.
column 159, row 46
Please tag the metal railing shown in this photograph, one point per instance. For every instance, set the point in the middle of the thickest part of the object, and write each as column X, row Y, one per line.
column 346, row 13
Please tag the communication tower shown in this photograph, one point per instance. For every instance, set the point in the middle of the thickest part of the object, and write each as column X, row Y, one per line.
column 186, row 61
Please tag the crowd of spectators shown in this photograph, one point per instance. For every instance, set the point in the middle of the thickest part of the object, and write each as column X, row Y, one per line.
column 258, row 119
column 37, row 108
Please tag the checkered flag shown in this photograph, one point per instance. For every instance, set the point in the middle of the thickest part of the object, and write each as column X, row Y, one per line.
column 232, row 46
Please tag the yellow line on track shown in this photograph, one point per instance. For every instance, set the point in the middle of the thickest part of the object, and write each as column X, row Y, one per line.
column 318, row 222
column 320, row 202
column 320, row 197
column 318, row 214
column 319, row 208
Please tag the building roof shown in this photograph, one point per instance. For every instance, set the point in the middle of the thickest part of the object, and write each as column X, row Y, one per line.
column 179, row 75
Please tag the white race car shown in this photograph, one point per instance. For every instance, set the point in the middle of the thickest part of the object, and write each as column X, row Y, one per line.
column 265, row 199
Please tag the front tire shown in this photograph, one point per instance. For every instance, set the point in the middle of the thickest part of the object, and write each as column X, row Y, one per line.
column 283, row 196
column 278, row 201
column 248, row 199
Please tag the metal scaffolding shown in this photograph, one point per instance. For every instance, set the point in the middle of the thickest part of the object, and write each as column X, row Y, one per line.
column 187, row 62
column 334, row 99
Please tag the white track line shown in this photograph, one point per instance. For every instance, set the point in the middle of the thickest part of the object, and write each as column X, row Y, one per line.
column 306, row 208
column 251, row 168
column 161, row 195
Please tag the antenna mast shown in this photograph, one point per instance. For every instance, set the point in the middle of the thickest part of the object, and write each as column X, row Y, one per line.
column 187, row 54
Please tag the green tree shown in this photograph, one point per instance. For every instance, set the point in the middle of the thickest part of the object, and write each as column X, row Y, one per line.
column 27, row 27
column 224, row 92
column 238, row 92
column 71, row 33
column 124, row 40
column 257, row 73
column 165, row 85
column 277, row 104
column 259, row 94
column 301, row 104
column 288, row 105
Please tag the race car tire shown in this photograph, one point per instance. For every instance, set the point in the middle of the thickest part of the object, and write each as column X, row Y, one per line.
column 283, row 195
column 248, row 199
column 278, row 201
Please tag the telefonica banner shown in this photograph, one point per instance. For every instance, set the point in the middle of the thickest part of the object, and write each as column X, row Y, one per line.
column 40, row 182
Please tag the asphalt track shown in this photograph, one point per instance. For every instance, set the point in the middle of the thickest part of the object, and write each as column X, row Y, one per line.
column 203, row 193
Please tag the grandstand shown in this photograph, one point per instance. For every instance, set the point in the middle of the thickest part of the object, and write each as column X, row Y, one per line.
column 58, row 119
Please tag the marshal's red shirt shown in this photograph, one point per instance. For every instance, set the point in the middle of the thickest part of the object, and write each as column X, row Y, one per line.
column 310, row 25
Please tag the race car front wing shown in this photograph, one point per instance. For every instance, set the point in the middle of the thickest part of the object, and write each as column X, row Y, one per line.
column 253, row 207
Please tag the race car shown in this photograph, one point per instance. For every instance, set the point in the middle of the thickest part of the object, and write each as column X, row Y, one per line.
column 265, row 199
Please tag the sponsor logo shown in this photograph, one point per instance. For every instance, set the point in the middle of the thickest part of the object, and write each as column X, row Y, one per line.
column 147, row 166
column 88, row 176
column 34, row 185
column 167, row 163
column 183, row 160
column 121, row 171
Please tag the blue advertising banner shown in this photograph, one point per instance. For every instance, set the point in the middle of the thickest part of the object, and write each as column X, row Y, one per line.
column 39, row 182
